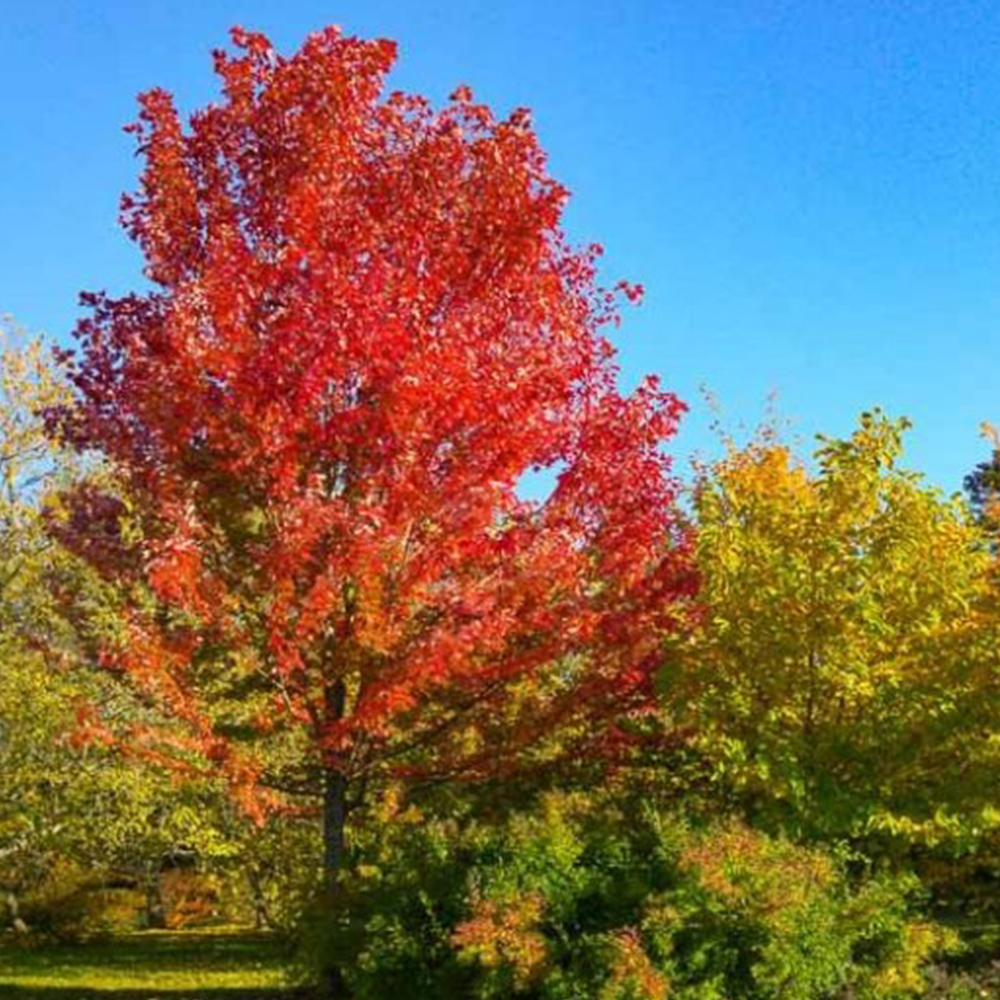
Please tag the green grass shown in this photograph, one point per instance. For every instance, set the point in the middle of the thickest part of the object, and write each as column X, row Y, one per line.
column 153, row 965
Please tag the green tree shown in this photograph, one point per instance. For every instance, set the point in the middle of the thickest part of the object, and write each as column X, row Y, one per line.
column 982, row 485
column 63, row 804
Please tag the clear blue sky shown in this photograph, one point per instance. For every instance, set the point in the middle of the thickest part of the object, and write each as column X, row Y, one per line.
column 809, row 190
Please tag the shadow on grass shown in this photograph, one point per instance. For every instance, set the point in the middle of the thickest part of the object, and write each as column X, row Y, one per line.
column 151, row 993
column 150, row 966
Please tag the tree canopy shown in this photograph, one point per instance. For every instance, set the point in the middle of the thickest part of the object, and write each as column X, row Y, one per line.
column 842, row 675
column 365, row 327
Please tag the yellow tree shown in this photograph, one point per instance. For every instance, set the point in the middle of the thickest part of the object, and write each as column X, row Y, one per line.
column 39, row 774
column 28, row 464
column 843, row 677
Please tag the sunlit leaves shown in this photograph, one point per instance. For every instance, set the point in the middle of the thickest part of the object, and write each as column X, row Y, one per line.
column 843, row 676
column 367, row 326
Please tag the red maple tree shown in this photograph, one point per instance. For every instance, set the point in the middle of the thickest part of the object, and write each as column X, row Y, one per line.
column 364, row 326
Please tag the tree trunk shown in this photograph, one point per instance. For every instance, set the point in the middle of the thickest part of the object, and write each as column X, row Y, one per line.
column 334, row 824
column 334, row 791
column 255, row 882
column 15, row 914
column 334, row 820
column 155, row 910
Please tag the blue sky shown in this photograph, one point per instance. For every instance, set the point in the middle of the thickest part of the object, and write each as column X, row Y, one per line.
column 809, row 190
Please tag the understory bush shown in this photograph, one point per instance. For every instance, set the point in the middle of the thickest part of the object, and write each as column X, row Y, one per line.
column 70, row 903
column 581, row 899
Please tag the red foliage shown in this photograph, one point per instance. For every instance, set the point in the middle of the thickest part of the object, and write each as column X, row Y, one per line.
column 366, row 326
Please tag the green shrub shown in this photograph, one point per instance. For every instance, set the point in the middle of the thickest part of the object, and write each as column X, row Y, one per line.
column 390, row 924
column 274, row 873
column 581, row 900
column 72, row 902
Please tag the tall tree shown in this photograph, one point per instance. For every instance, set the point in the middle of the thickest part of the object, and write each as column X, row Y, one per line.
column 366, row 326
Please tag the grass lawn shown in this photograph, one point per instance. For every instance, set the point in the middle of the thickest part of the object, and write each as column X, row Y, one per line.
column 153, row 965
